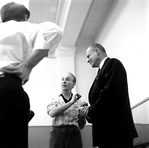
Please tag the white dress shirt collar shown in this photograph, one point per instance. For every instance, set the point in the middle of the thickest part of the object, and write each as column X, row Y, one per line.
column 102, row 62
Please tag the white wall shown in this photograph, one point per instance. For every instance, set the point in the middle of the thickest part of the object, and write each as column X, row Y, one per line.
column 84, row 72
column 125, row 35
column 43, row 84
column 45, row 81
column 141, row 113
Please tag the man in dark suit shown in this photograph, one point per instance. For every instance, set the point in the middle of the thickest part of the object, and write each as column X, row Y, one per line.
column 109, row 110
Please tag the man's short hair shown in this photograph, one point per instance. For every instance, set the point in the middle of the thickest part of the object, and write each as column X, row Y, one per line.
column 74, row 78
column 14, row 11
column 99, row 46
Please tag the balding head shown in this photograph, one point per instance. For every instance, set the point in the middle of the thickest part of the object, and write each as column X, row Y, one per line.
column 95, row 54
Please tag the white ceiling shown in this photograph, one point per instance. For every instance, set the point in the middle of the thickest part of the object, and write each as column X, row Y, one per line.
column 80, row 19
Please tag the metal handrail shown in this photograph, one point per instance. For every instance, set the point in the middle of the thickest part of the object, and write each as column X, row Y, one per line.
column 140, row 103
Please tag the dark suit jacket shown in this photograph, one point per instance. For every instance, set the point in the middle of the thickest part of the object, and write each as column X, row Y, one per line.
column 31, row 115
column 110, row 112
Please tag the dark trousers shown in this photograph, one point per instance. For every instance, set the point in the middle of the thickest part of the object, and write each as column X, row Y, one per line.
column 14, row 111
column 65, row 137
column 123, row 143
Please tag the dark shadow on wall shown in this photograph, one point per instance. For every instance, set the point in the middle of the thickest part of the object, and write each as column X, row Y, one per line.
column 39, row 136
column 143, row 140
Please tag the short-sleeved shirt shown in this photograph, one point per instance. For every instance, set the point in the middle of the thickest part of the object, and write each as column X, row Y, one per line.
column 19, row 39
column 69, row 116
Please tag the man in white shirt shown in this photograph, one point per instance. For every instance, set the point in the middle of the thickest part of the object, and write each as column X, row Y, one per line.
column 22, row 46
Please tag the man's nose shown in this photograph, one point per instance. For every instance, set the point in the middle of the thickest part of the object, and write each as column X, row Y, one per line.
column 87, row 60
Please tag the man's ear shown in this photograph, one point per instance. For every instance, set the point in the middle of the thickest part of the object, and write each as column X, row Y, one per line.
column 97, row 51
column 73, row 86
column 25, row 18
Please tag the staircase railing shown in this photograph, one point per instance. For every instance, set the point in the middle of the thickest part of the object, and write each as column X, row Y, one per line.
column 140, row 113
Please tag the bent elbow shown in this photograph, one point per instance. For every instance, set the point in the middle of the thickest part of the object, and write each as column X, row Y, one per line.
column 51, row 114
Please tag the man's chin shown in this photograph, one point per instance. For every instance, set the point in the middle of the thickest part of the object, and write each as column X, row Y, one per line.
column 94, row 66
column 63, row 88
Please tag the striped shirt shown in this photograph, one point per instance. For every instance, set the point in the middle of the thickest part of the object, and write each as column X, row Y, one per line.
column 69, row 116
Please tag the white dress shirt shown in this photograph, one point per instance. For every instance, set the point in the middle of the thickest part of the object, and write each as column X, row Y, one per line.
column 102, row 62
column 19, row 39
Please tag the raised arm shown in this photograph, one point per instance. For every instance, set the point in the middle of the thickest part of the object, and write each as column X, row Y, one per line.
column 54, row 110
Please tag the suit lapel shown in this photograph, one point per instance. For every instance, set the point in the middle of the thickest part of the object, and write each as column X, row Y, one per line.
column 105, row 63
column 100, row 70
column 97, row 77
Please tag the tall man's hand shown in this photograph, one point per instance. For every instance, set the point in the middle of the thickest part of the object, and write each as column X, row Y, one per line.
column 84, row 111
